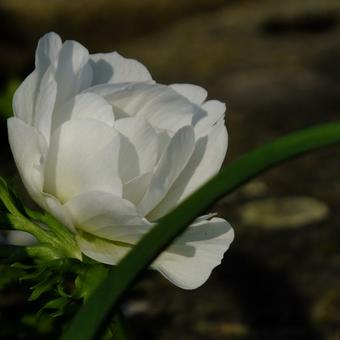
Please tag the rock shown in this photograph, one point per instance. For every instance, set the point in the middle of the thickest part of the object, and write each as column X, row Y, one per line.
column 286, row 212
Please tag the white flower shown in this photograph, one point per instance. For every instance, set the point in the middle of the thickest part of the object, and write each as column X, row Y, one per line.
column 108, row 151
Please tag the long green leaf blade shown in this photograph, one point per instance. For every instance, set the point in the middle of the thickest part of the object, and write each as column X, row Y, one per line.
column 95, row 314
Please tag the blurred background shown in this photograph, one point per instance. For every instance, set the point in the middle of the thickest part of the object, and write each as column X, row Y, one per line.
column 277, row 66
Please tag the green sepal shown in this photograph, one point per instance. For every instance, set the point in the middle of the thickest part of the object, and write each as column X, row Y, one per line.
column 59, row 304
column 44, row 252
column 88, row 279
column 41, row 288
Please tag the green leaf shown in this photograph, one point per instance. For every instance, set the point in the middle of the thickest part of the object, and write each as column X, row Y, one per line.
column 58, row 305
column 42, row 287
column 89, row 279
column 6, row 98
column 93, row 316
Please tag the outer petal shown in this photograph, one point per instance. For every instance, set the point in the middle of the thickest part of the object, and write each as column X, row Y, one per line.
column 160, row 105
column 47, row 51
column 101, row 250
column 28, row 148
column 193, row 93
column 55, row 208
column 24, row 98
column 215, row 110
column 169, row 167
column 113, row 68
column 86, row 105
column 107, row 216
column 189, row 262
column 204, row 163
column 74, row 73
column 83, row 156
column 45, row 102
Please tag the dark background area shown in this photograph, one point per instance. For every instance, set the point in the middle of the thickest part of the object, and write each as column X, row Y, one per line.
column 277, row 66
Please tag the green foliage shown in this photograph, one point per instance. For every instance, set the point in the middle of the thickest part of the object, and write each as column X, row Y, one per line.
column 56, row 240
column 6, row 98
column 88, row 279
column 93, row 316
column 51, row 267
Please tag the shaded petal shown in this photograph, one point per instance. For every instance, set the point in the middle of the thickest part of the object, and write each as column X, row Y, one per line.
column 113, row 68
column 74, row 72
column 144, row 138
column 189, row 262
column 160, row 105
column 28, row 149
column 83, row 156
column 215, row 110
column 170, row 165
column 103, row 251
column 55, row 208
column 24, row 98
column 47, row 51
column 45, row 101
column 128, row 160
column 87, row 105
column 135, row 189
column 204, row 163
column 195, row 94
column 107, row 216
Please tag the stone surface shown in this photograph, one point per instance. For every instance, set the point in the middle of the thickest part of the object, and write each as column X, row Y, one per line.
column 284, row 212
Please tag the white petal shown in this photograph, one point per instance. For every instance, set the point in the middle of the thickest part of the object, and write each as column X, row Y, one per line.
column 24, row 98
column 74, row 73
column 55, row 208
column 47, row 51
column 160, row 105
column 128, row 160
column 135, row 189
column 204, row 163
column 104, row 90
column 189, row 262
column 87, row 105
column 193, row 93
column 169, row 167
column 45, row 101
column 144, row 138
column 83, row 156
column 28, row 148
column 107, row 216
column 215, row 110
column 113, row 68
column 103, row 251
